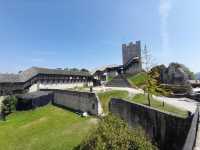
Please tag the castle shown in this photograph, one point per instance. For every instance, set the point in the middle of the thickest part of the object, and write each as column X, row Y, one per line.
column 36, row 78
column 132, row 63
column 129, row 52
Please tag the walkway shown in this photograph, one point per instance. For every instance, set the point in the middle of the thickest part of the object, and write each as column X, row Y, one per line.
column 181, row 103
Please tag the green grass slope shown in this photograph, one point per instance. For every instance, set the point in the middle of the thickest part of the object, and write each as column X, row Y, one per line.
column 46, row 128
column 105, row 97
column 141, row 99
column 137, row 80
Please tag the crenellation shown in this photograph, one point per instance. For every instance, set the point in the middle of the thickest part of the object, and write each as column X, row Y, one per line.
column 129, row 52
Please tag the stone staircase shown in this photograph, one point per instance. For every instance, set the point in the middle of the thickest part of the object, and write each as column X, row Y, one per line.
column 118, row 81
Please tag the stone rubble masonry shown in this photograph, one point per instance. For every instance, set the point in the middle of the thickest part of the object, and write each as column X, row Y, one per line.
column 130, row 51
column 167, row 130
column 193, row 139
column 77, row 101
column 73, row 100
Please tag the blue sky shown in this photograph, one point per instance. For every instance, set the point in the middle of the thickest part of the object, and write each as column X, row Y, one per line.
column 89, row 33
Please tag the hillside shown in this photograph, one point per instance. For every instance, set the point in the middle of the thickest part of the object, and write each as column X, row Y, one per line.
column 137, row 80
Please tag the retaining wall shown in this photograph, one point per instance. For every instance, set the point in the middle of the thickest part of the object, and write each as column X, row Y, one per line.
column 33, row 100
column 192, row 134
column 78, row 101
column 168, row 131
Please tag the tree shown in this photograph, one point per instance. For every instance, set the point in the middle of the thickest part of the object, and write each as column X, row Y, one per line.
column 152, row 77
column 113, row 133
column 66, row 69
column 74, row 69
column 155, row 74
column 150, row 82
column 84, row 70
column 190, row 74
column 9, row 104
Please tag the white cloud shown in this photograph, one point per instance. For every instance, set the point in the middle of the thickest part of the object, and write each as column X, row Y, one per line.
column 164, row 11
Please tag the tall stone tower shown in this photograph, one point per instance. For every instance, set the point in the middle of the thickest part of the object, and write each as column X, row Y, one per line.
column 130, row 51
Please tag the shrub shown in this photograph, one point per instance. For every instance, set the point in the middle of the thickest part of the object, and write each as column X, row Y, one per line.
column 113, row 133
column 9, row 104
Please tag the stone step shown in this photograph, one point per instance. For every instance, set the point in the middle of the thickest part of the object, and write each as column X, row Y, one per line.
column 118, row 81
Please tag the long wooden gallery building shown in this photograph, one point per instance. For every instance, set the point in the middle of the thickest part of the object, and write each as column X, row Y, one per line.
column 36, row 78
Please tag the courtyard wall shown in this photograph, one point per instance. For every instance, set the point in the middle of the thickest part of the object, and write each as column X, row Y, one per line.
column 77, row 101
column 192, row 134
column 33, row 100
column 167, row 130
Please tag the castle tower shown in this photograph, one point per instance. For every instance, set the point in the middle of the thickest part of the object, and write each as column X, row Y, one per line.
column 130, row 51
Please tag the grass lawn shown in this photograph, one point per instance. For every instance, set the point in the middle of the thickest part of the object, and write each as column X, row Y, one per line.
column 137, row 80
column 141, row 99
column 46, row 128
column 110, row 79
column 106, row 96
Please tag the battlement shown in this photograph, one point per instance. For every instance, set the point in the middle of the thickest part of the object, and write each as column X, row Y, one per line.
column 131, row 50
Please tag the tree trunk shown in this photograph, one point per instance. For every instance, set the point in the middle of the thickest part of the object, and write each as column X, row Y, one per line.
column 149, row 101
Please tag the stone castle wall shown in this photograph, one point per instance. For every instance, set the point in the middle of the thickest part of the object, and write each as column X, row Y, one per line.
column 77, row 101
column 192, row 134
column 134, row 68
column 130, row 51
column 168, row 131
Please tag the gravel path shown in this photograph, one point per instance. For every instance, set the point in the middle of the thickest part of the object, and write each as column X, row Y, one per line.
column 130, row 90
column 181, row 103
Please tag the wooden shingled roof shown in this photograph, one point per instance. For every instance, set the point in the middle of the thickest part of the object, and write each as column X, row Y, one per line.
column 9, row 78
column 32, row 72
